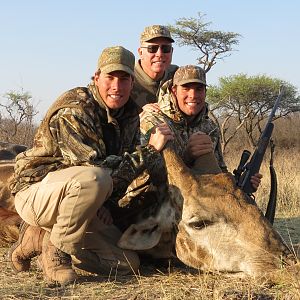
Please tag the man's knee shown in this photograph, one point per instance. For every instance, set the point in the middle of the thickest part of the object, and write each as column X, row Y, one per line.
column 95, row 184
column 102, row 180
column 95, row 175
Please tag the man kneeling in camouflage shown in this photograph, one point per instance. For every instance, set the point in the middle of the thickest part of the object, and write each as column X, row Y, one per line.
column 81, row 158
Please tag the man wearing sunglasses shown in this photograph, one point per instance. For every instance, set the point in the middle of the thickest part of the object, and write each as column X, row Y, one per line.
column 154, row 66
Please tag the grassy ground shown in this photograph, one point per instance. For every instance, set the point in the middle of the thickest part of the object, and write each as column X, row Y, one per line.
column 152, row 283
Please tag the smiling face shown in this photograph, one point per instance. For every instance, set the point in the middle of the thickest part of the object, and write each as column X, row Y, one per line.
column 114, row 88
column 155, row 64
column 190, row 97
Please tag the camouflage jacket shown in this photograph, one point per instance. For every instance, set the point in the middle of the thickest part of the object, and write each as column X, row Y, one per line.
column 79, row 130
column 145, row 89
column 171, row 114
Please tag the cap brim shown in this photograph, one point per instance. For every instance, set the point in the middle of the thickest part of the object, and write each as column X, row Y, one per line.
column 185, row 81
column 116, row 67
column 157, row 36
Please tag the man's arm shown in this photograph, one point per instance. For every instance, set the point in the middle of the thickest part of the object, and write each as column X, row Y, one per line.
column 77, row 138
column 133, row 164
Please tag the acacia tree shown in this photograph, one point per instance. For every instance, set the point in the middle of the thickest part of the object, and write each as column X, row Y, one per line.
column 213, row 45
column 16, row 117
column 247, row 101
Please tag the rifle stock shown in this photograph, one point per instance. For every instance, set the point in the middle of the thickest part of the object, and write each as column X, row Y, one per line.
column 253, row 166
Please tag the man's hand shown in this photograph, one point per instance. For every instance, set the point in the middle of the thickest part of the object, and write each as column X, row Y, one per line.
column 104, row 216
column 160, row 136
column 199, row 144
column 255, row 180
column 151, row 107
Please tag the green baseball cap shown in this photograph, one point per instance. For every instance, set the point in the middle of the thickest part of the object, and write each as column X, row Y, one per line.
column 116, row 58
column 189, row 73
column 155, row 31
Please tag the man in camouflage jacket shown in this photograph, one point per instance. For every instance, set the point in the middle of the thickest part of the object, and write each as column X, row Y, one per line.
column 188, row 118
column 85, row 152
column 183, row 109
column 154, row 66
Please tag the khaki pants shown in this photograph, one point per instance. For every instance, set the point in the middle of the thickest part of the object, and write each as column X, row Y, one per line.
column 100, row 253
column 64, row 203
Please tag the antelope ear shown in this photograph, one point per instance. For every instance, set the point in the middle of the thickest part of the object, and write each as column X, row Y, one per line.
column 142, row 236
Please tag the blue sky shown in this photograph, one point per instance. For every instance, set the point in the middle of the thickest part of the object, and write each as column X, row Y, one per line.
column 48, row 47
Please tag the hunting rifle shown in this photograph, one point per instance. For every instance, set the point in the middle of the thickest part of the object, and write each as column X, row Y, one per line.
column 245, row 170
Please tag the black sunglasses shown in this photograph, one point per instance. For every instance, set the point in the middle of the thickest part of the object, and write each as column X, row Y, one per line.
column 154, row 48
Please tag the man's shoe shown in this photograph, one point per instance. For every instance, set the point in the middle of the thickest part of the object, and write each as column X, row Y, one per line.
column 56, row 264
column 28, row 246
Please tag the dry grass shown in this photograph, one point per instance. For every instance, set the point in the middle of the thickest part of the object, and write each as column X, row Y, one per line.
column 287, row 166
column 166, row 283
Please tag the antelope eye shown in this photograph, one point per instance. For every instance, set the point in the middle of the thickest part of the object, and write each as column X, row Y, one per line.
column 198, row 225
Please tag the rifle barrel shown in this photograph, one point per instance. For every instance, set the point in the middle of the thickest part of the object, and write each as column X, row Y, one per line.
column 276, row 104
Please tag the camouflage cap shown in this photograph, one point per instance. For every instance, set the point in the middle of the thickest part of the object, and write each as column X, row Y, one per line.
column 189, row 73
column 116, row 59
column 155, row 31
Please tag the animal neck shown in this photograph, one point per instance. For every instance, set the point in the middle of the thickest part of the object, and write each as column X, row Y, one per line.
column 176, row 169
column 206, row 164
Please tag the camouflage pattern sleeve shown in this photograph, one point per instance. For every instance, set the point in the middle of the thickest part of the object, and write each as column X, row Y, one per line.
column 215, row 136
column 76, row 135
column 132, row 165
column 147, row 122
column 219, row 156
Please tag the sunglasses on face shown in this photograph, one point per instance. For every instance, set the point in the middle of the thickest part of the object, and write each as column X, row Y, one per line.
column 154, row 48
